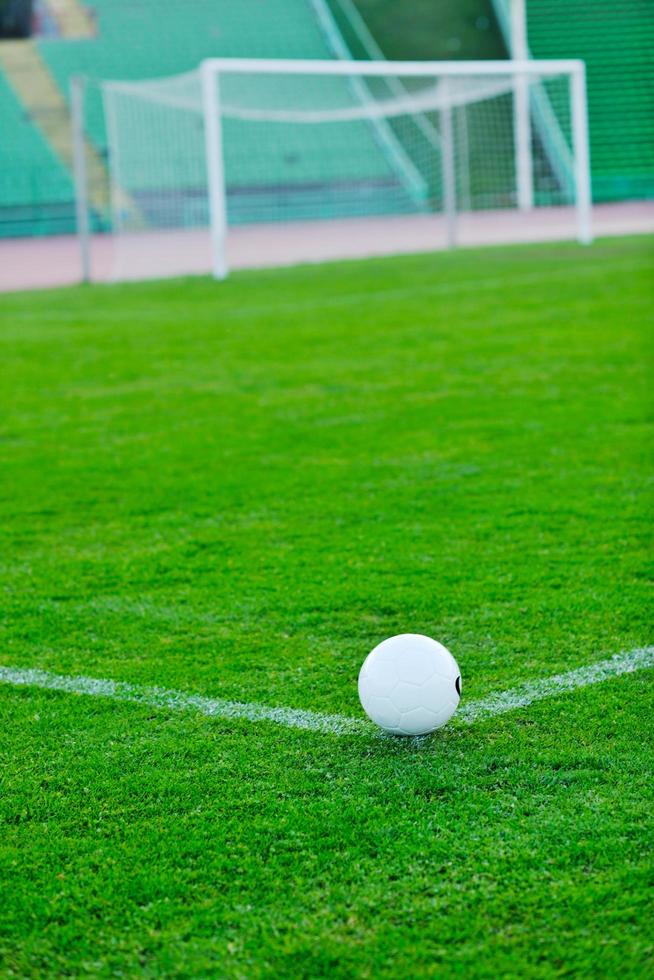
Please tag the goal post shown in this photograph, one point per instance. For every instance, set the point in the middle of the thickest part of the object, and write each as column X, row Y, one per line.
column 581, row 145
column 269, row 143
column 522, row 113
column 215, row 170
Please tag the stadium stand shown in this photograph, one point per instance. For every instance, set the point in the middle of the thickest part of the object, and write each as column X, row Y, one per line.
column 288, row 28
column 115, row 39
column 616, row 42
column 35, row 185
column 124, row 48
column 185, row 34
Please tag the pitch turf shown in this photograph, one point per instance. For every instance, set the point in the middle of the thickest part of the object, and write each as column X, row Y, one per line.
column 237, row 490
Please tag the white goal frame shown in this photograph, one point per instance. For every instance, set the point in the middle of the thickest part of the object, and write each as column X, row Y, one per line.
column 519, row 70
column 213, row 68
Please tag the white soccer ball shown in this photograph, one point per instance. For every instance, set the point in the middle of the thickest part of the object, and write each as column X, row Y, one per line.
column 410, row 685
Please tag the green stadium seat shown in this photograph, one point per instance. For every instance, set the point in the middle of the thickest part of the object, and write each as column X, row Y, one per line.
column 616, row 41
column 35, row 187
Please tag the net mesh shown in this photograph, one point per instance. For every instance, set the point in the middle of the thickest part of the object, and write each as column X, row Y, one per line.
column 309, row 147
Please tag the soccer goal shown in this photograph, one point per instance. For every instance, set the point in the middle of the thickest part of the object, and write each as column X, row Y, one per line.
column 257, row 162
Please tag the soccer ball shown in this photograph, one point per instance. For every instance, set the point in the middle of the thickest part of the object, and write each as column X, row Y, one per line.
column 410, row 685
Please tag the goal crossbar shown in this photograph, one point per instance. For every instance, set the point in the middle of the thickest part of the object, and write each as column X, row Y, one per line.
column 407, row 69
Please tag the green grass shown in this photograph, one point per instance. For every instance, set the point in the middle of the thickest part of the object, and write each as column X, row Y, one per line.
column 238, row 490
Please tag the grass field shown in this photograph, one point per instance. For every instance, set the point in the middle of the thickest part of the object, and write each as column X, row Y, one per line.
column 236, row 491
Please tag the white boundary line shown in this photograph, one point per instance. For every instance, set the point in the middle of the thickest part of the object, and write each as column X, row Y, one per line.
column 155, row 697
column 525, row 694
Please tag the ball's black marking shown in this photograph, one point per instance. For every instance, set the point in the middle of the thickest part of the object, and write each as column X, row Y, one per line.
column 457, row 684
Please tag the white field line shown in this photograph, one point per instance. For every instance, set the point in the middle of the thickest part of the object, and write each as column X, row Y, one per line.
column 548, row 687
column 158, row 697
column 495, row 704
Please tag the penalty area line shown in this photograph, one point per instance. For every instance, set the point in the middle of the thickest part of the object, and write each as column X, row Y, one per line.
column 520, row 696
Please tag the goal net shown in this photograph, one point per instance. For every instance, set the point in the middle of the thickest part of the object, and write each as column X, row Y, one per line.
column 249, row 161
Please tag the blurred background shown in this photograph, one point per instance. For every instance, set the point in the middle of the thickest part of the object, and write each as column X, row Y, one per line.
column 45, row 43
